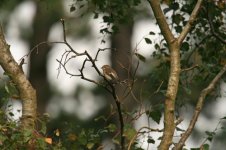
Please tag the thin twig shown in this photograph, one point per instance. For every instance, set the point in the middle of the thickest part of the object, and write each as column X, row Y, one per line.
column 159, row 87
column 190, row 68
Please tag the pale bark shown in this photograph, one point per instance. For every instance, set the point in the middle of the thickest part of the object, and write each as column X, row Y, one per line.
column 169, row 125
column 175, row 69
column 26, row 91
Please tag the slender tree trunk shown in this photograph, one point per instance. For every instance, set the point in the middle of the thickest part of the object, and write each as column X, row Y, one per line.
column 174, row 48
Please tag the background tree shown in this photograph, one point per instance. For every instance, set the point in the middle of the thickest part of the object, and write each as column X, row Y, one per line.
column 47, row 14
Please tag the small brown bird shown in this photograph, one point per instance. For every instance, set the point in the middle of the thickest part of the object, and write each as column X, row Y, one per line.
column 110, row 74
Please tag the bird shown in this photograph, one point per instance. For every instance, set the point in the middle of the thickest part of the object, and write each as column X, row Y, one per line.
column 110, row 74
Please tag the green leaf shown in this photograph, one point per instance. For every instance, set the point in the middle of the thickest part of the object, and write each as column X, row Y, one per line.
column 41, row 143
column 151, row 140
column 96, row 15
column 105, row 30
column 174, row 6
column 185, row 46
column 210, row 135
column 11, row 114
column 195, row 149
column 116, row 141
column 136, row 2
column 112, row 127
column 224, row 117
column 148, row 41
column 178, row 29
column 100, row 118
column 177, row 19
column 187, row 90
column 108, row 19
column 157, row 47
column 166, row 10
column 11, row 89
column 179, row 129
column 82, row 138
column 81, row 6
column 2, row 138
column 130, row 133
column 72, row 8
column 205, row 147
column 155, row 115
column 140, row 57
column 90, row 145
column 151, row 33
column 43, row 127
column 27, row 135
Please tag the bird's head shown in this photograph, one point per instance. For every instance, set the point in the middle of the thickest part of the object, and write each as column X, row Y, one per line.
column 105, row 67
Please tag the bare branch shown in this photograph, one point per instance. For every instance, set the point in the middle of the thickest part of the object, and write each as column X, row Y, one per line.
column 67, row 72
column 190, row 68
column 61, row 60
column 65, row 39
column 95, row 59
column 190, row 22
column 198, row 108
column 130, row 85
column 159, row 87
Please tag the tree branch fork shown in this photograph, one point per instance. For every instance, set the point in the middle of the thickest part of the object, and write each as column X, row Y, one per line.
column 175, row 70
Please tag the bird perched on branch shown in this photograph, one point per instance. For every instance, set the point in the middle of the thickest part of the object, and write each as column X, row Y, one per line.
column 110, row 74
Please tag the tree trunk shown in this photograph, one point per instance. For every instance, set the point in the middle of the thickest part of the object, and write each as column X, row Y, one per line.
column 46, row 16
column 121, row 57
column 26, row 92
